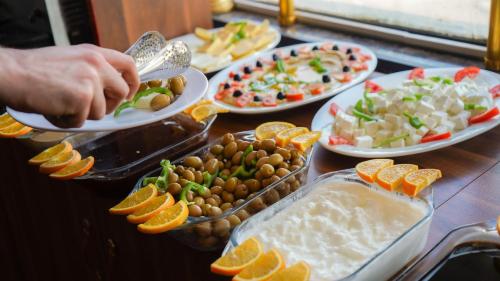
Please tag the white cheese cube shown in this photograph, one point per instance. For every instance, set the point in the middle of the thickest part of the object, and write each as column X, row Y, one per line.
column 346, row 121
column 393, row 108
column 439, row 116
column 358, row 132
column 422, row 131
column 347, row 134
column 363, row 141
column 461, row 120
column 420, row 115
column 443, row 103
column 395, row 120
column 448, row 124
column 427, row 99
column 430, row 121
column 413, row 139
column 384, row 125
column 408, row 128
column 439, row 130
column 379, row 101
column 371, row 128
column 456, row 107
column 398, row 143
column 383, row 134
column 425, row 108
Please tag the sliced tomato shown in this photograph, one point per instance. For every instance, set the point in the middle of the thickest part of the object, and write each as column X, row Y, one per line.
column 356, row 49
column 436, row 137
column 326, row 46
column 416, row 73
column 469, row 71
column 316, row 89
column 363, row 57
column 246, row 76
column 495, row 91
column 269, row 101
column 337, row 140
column 243, row 100
column 342, row 77
column 236, row 84
column 372, row 86
column 357, row 66
column 222, row 94
column 485, row 116
column 334, row 108
column 231, row 74
column 294, row 96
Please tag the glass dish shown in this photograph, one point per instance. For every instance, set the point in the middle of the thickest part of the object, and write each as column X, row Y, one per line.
column 202, row 233
column 382, row 265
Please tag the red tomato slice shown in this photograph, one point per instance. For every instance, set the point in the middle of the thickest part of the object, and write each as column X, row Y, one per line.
column 246, row 76
column 347, row 77
column 485, row 116
column 326, row 46
column 220, row 95
column 231, row 74
column 334, row 108
column 436, row 137
column 243, row 100
column 363, row 57
column 294, row 96
column 236, row 84
column 269, row 101
column 469, row 71
column 495, row 91
column 316, row 89
column 372, row 86
column 416, row 73
column 336, row 140
column 359, row 66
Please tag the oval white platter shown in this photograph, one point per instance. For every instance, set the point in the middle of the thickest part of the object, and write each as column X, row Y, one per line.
column 194, row 43
column 223, row 76
column 323, row 120
column 195, row 89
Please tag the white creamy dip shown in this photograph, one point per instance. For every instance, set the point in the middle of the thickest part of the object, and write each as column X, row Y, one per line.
column 338, row 227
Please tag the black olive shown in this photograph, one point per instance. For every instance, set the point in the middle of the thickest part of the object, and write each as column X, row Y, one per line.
column 281, row 96
column 335, row 47
column 275, row 57
column 256, row 98
column 237, row 77
column 237, row 93
column 326, row 79
column 315, row 48
column 293, row 53
column 258, row 64
column 352, row 57
column 247, row 70
column 348, row 51
column 346, row 68
column 227, row 86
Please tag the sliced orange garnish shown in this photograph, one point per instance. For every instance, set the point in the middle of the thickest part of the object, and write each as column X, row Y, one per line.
column 269, row 130
column 50, row 152
column 416, row 181
column 155, row 206
column 201, row 112
column 262, row 268
column 304, row 141
column 135, row 201
column 190, row 109
column 238, row 258
column 60, row 161
column 283, row 137
column 74, row 170
column 6, row 120
column 297, row 272
column 368, row 169
column 5, row 116
column 166, row 220
column 392, row 176
column 15, row 129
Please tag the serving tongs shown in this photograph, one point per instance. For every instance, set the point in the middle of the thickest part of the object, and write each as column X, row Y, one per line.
column 157, row 58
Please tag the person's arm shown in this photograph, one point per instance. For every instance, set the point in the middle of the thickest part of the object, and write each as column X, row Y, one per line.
column 66, row 84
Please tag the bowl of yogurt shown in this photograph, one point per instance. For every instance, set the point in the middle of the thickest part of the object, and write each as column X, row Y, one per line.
column 345, row 228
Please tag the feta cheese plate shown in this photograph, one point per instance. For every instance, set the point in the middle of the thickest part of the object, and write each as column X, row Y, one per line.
column 410, row 112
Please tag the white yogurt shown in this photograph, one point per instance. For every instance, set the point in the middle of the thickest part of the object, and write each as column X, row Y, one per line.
column 338, row 227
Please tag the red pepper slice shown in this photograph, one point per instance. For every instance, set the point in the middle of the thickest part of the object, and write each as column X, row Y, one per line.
column 495, row 91
column 244, row 99
column 316, row 89
column 336, row 140
column 469, row 71
column 372, row 86
column 416, row 73
column 294, row 96
column 220, row 95
column 269, row 101
column 436, row 137
column 359, row 66
column 334, row 109
column 485, row 116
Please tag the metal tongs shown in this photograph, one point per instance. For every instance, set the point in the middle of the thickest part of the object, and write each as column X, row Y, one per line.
column 157, row 58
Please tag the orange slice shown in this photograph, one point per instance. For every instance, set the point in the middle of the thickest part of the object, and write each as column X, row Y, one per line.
column 238, row 258
column 201, row 112
column 5, row 116
column 50, row 152
column 74, row 170
column 297, row 272
column 283, row 137
column 155, row 206
column 16, row 129
column 416, row 181
column 135, row 201
column 367, row 170
column 304, row 141
column 269, row 130
column 6, row 120
column 60, row 161
column 202, row 102
column 262, row 268
column 392, row 176
column 166, row 220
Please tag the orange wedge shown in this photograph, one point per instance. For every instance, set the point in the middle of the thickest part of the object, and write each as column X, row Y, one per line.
column 297, row 272
column 155, row 206
column 16, row 129
column 269, row 129
column 202, row 102
column 416, row 181
column 50, row 152
column 5, row 116
column 238, row 258
column 60, row 161
column 392, row 176
column 135, row 201
column 201, row 112
column 6, row 120
column 304, row 141
column 262, row 268
column 367, row 170
column 283, row 137
column 166, row 220
column 74, row 170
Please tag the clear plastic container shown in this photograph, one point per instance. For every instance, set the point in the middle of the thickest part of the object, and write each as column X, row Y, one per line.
column 209, row 233
column 382, row 265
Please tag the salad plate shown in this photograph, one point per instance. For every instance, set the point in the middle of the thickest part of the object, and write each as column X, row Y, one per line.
column 432, row 110
column 291, row 76
column 194, row 90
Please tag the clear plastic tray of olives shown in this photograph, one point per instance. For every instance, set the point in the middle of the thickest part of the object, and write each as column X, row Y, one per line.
column 251, row 175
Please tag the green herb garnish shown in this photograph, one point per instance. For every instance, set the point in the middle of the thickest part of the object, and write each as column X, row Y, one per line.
column 472, row 106
column 317, row 65
column 393, row 139
column 415, row 122
column 139, row 95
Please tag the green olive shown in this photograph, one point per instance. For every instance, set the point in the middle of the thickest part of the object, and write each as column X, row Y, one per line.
column 198, row 200
column 268, row 145
column 216, row 189
column 188, row 175
column 173, row 177
column 258, row 176
column 295, row 185
column 190, row 196
column 211, row 166
column 275, row 159
column 298, row 162
column 217, row 149
column 294, row 167
column 228, row 165
column 212, row 202
column 142, row 87
column 198, row 177
column 281, row 172
column 256, row 145
column 225, row 206
column 284, row 165
column 154, row 83
column 217, row 199
column 205, row 207
column 295, row 154
column 225, row 173
column 272, row 196
column 261, row 162
column 267, row 170
column 203, row 229
column 234, row 220
column 218, row 181
column 257, row 204
column 179, row 169
column 230, row 149
column 283, row 152
column 176, row 85
column 227, row 138
column 241, row 191
column 283, row 189
column 261, row 153
column 174, row 188
column 230, row 185
column 242, row 145
column 243, row 215
column 274, row 178
column 214, row 211
column 184, row 80
column 265, row 182
column 160, row 101
column 251, row 157
column 206, row 194
column 222, row 227
column 239, row 202
column 253, row 185
column 195, row 210
column 208, row 242
column 236, row 160
column 227, row 197
column 193, row 161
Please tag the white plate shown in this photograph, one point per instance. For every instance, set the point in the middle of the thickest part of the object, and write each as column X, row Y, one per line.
column 195, row 89
column 223, row 76
column 323, row 119
column 194, row 42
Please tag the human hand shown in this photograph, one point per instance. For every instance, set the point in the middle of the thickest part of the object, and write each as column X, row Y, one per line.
column 68, row 85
